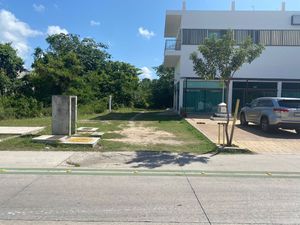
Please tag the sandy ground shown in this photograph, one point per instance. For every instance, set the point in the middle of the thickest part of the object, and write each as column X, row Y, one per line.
column 135, row 133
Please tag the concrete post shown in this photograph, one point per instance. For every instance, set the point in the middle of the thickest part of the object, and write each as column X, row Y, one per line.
column 233, row 6
column 180, row 94
column 229, row 107
column 279, row 88
column 110, row 102
column 283, row 4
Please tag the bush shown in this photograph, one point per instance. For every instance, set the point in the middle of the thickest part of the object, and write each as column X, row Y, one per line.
column 20, row 107
column 97, row 107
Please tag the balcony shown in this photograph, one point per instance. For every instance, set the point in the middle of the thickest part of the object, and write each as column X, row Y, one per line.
column 172, row 52
column 172, row 45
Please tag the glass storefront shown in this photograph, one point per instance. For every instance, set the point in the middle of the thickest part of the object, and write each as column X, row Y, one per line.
column 201, row 96
column 247, row 91
column 291, row 90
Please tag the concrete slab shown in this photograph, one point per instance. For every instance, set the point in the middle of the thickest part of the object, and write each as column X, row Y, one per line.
column 87, row 129
column 89, row 141
column 20, row 130
column 97, row 134
column 50, row 138
column 32, row 159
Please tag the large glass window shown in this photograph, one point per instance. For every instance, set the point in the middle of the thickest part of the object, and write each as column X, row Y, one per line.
column 291, row 90
column 202, row 96
column 248, row 91
column 265, row 37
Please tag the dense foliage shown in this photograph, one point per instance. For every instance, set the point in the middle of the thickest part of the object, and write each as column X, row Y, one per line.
column 74, row 66
column 157, row 93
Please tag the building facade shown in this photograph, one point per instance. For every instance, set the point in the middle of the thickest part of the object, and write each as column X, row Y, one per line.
column 275, row 73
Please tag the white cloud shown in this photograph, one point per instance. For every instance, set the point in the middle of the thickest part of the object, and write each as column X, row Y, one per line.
column 56, row 30
column 146, row 73
column 15, row 31
column 146, row 33
column 94, row 23
column 38, row 8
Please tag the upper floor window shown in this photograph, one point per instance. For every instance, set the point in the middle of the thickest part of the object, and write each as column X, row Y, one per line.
column 216, row 33
column 265, row 37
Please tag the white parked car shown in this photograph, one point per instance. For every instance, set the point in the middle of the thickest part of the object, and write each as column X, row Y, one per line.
column 271, row 112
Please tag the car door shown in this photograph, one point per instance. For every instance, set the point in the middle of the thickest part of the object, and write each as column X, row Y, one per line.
column 251, row 111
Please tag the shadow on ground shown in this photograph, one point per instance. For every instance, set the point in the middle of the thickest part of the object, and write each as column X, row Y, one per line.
column 158, row 159
column 147, row 116
column 277, row 133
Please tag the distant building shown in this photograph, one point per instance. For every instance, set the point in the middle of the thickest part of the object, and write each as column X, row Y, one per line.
column 275, row 73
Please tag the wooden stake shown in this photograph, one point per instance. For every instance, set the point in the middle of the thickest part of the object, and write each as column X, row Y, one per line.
column 237, row 105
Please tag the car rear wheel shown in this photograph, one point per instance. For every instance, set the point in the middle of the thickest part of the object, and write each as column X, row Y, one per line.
column 243, row 120
column 264, row 124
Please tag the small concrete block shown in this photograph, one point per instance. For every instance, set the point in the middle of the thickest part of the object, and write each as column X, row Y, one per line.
column 50, row 138
column 20, row 130
column 97, row 134
column 89, row 141
column 87, row 129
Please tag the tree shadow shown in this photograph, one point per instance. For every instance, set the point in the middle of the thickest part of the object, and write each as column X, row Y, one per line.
column 146, row 116
column 277, row 133
column 157, row 159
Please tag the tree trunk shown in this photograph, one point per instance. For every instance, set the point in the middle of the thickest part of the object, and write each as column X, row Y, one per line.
column 228, row 141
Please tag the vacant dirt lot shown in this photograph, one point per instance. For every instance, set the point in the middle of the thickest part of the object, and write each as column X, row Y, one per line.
column 139, row 133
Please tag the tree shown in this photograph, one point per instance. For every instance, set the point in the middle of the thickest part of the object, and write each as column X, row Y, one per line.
column 121, row 80
column 163, row 88
column 10, row 67
column 65, row 66
column 221, row 59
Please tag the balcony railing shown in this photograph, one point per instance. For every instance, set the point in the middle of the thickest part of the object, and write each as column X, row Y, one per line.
column 173, row 45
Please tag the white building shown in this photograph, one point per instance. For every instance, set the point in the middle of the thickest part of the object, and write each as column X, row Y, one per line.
column 275, row 73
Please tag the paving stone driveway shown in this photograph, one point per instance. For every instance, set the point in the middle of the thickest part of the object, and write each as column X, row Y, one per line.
column 252, row 137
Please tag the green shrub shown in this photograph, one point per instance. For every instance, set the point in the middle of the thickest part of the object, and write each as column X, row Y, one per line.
column 20, row 107
column 96, row 107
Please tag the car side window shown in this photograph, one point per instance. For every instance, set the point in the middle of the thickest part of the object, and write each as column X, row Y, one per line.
column 254, row 104
column 265, row 103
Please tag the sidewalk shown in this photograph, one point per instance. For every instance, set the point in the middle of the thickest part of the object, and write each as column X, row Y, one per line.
column 252, row 138
column 151, row 160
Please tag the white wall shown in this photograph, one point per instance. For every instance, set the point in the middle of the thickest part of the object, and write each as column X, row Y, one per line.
column 274, row 62
column 238, row 20
column 177, row 72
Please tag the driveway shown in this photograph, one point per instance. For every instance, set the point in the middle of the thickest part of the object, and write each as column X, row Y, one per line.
column 252, row 138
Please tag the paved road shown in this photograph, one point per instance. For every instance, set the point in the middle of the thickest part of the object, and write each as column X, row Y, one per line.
column 132, row 197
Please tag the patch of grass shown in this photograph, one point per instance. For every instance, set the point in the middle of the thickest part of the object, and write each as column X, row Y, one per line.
column 234, row 150
column 3, row 136
column 73, row 164
column 112, row 135
column 193, row 141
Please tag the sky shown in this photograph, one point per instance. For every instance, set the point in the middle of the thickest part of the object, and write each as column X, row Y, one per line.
column 133, row 29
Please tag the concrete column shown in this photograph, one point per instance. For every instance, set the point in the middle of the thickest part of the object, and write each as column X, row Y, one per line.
column 229, row 107
column 174, row 96
column 181, row 93
column 64, row 115
column 279, row 88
